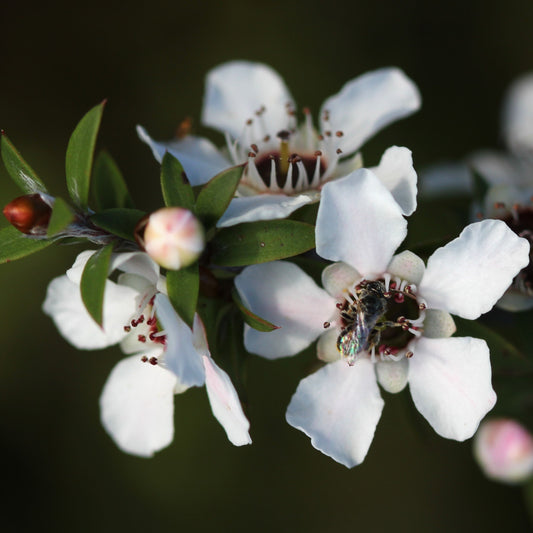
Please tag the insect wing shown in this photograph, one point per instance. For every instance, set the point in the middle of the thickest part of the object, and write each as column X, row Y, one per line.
column 353, row 340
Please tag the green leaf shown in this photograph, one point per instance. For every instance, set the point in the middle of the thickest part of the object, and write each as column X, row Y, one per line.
column 118, row 221
column 80, row 151
column 62, row 216
column 216, row 195
column 256, row 322
column 15, row 245
column 177, row 191
column 93, row 281
column 21, row 173
column 259, row 242
column 183, row 287
column 109, row 187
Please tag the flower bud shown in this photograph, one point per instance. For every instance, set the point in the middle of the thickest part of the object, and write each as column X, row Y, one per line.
column 30, row 214
column 504, row 450
column 173, row 237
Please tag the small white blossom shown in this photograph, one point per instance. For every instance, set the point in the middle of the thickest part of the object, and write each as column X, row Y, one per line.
column 289, row 163
column 137, row 402
column 504, row 450
column 360, row 225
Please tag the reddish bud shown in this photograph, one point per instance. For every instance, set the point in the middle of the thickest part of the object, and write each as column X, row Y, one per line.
column 29, row 214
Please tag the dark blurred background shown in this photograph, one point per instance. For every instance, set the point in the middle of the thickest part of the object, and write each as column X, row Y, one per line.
column 60, row 470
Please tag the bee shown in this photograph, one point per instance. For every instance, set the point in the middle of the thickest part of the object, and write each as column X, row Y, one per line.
column 361, row 317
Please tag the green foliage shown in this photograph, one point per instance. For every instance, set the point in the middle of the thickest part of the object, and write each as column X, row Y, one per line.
column 21, row 173
column 15, row 245
column 109, row 188
column 256, row 322
column 93, row 282
column 80, row 152
column 259, row 242
column 62, row 216
column 118, row 221
column 216, row 195
column 183, row 287
column 177, row 191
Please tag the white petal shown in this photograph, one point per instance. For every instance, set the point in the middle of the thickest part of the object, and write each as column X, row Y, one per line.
column 468, row 275
column 496, row 168
column 198, row 156
column 137, row 406
column 338, row 278
column 236, row 90
column 359, row 222
column 181, row 356
column 339, row 408
column 64, row 305
column 225, row 403
column 438, row 324
column 513, row 300
column 76, row 270
column 518, row 115
column 407, row 265
column 369, row 103
column 285, row 295
column 392, row 375
column 262, row 207
column 450, row 382
column 396, row 172
column 445, row 179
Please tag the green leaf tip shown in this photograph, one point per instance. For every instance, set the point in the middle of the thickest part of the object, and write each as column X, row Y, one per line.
column 253, row 320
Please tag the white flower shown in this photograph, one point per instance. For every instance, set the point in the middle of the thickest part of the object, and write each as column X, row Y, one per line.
column 360, row 224
column 504, row 450
column 288, row 164
column 137, row 402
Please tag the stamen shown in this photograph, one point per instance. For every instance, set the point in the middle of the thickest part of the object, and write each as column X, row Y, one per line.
column 232, row 149
column 274, row 187
column 303, row 179
column 284, row 152
column 253, row 175
column 287, row 187
column 327, row 325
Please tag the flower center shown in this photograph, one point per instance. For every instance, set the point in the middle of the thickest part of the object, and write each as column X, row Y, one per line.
column 290, row 161
column 379, row 319
column 520, row 219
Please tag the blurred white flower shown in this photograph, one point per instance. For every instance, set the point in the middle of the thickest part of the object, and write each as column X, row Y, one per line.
column 287, row 163
column 137, row 402
column 173, row 237
column 504, row 450
column 360, row 224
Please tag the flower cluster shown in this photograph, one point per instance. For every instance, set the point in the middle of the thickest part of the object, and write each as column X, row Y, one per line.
column 246, row 233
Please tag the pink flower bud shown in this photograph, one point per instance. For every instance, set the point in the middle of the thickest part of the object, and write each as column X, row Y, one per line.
column 504, row 450
column 173, row 237
column 29, row 214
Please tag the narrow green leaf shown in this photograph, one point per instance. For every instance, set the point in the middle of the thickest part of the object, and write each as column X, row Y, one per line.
column 109, row 188
column 259, row 242
column 256, row 322
column 21, row 173
column 216, row 195
column 93, row 281
column 80, row 151
column 62, row 216
column 15, row 245
column 183, row 287
column 177, row 191
column 118, row 221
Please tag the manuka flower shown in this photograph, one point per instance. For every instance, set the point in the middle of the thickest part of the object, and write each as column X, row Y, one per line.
column 137, row 403
column 289, row 163
column 382, row 319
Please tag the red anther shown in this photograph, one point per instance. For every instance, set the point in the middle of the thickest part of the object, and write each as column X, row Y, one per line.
column 152, row 336
column 134, row 323
column 401, row 319
column 184, row 128
column 141, row 338
column 284, row 134
column 405, row 326
column 152, row 300
column 327, row 325
column 255, row 148
column 153, row 360
column 30, row 214
column 338, row 151
column 392, row 284
column 516, row 207
column 479, row 215
column 408, row 288
column 499, row 205
column 140, row 320
column 399, row 298
column 321, row 137
column 393, row 350
column 251, row 154
column 127, row 328
column 266, row 138
column 249, row 122
column 152, row 321
column 387, row 294
column 339, row 305
column 318, row 153
column 422, row 307
column 306, row 111
column 339, row 133
column 409, row 354
column 327, row 133
column 144, row 358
